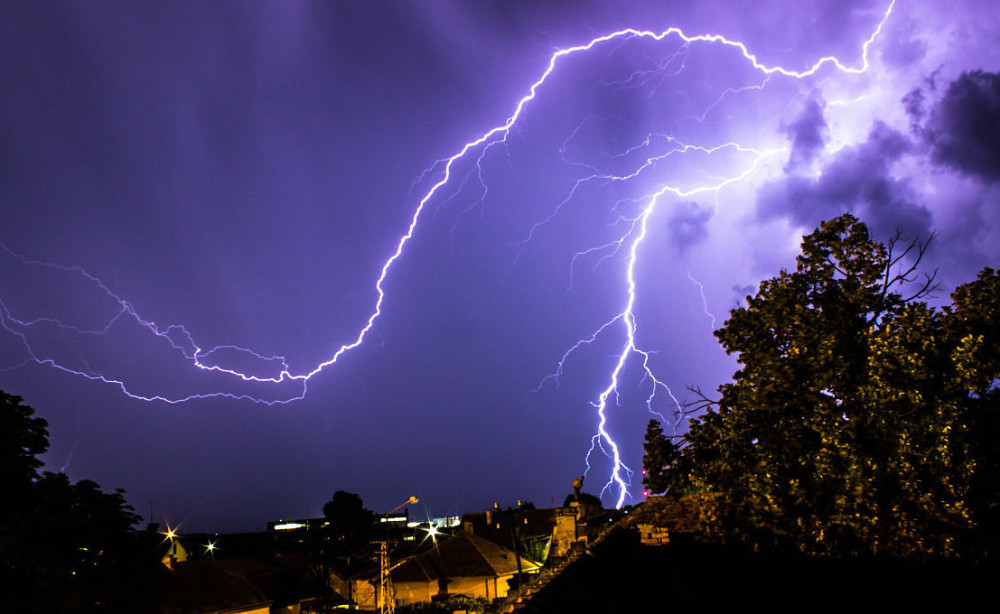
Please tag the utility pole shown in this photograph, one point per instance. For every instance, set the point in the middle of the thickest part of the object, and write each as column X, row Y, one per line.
column 386, row 595
column 516, row 546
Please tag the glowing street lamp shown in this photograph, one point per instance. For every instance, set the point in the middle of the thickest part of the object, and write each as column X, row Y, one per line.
column 411, row 500
column 386, row 599
column 170, row 534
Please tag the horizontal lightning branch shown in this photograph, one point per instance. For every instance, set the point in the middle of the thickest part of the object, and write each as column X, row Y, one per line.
column 633, row 231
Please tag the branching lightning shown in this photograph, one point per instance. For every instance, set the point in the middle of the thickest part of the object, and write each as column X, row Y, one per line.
column 704, row 300
column 634, row 230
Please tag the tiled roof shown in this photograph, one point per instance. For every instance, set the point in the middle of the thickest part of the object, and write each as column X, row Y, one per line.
column 200, row 586
column 460, row 556
column 678, row 515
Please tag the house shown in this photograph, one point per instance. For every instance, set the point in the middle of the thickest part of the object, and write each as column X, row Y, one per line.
column 462, row 564
column 205, row 587
column 552, row 531
column 495, row 524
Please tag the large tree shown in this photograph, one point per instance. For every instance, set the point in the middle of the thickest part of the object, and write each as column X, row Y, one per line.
column 349, row 519
column 23, row 437
column 855, row 423
column 660, row 461
column 63, row 546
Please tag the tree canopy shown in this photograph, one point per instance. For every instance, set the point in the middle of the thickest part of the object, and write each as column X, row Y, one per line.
column 861, row 420
column 661, row 461
column 63, row 546
column 348, row 517
column 23, row 437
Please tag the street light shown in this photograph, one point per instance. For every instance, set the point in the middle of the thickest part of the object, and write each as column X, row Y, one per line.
column 386, row 599
column 412, row 499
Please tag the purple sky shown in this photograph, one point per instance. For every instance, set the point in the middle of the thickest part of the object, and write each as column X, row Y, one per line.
column 244, row 171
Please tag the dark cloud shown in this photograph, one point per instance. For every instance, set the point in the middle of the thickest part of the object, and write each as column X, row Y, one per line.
column 688, row 221
column 808, row 134
column 913, row 102
column 964, row 126
column 962, row 241
column 857, row 179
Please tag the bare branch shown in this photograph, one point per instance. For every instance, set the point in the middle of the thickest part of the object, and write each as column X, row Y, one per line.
column 701, row 404
column 926, row 289
column 907, row 274
column 836, row 268
column 904, row 273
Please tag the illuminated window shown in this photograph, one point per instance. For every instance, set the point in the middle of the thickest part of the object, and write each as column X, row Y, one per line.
column 286, row 526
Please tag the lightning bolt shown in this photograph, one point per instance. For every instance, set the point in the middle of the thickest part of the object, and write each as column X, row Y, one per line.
column 704, row 301
column 620, row 476
column 442, row 174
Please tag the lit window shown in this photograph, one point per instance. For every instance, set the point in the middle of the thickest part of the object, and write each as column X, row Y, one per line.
column 287, row 526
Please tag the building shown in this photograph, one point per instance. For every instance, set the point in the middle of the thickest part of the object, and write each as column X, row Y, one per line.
column 551, row 530
column 462, row 564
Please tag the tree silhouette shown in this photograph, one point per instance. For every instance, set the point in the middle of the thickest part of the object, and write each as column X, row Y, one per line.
column 848, row 428
column 660, row 461
column 348, row 518
column 64, row 547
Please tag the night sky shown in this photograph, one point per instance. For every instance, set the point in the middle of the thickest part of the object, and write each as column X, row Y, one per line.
column 194, row 189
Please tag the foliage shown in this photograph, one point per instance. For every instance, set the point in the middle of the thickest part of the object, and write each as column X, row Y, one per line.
column 661, row 461
column 65, row 546
column 349, row 520
column 23, row 437
column 453, row 603
column 860, row 421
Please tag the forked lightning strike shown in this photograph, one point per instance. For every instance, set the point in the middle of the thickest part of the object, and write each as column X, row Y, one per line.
column 180, row 340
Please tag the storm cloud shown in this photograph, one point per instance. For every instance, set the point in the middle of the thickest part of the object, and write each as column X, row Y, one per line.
column 964, row 126
column 858, row 179
column 688, row 224
column 808, row 134
column 239, row 175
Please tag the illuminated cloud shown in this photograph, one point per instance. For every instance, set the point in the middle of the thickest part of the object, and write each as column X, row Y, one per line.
column 860, row 178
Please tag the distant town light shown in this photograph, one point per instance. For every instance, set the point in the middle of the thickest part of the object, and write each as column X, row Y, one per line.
column 433, row 530
column 169, row 534
column 288, row 526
